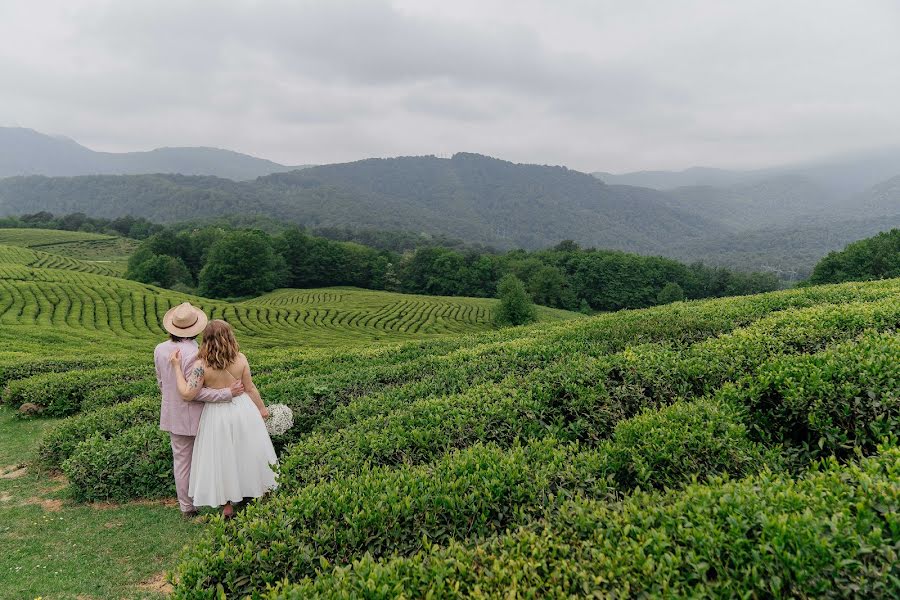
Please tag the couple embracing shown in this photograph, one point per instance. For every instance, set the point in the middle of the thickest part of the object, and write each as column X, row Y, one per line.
column 221, row 450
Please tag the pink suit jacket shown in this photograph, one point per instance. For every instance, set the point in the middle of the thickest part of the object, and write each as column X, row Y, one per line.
column 176, row 414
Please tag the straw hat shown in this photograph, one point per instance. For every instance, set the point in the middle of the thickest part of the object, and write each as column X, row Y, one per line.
column 185, row 320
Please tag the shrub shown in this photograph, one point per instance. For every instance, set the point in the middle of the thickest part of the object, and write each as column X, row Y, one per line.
column 833, row 534
column 136, row 463
column 62, row 394
column 666, row 448
column 468, row 494
column 61, row 440
column 840, row 401
column 20, row 370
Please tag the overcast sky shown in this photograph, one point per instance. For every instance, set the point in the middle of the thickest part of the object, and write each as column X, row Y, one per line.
column 591, row 84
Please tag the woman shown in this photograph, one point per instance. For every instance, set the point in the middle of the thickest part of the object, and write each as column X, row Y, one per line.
column 233, row 453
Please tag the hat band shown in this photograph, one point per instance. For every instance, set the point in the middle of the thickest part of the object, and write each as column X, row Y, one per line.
column 194, row 322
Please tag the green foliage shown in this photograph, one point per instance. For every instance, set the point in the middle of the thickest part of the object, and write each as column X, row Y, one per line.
column 874, row 258
column 832, row 534
column 671, row 292
column 666, row 448
column 241, row 263
column 515, row 304
column 473, row 493
column 61, row 440
column 73, row 227
column 158, row 269
column 22, row 369
column 841, row 401
column 63, row 394
column 134, row 464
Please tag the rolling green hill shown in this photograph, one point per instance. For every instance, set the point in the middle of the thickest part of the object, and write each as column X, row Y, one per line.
column 108, row 253
column 562, row 458
column 80, row 300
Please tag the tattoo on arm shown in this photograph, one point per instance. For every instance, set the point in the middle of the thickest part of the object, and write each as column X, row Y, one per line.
column 196, row 377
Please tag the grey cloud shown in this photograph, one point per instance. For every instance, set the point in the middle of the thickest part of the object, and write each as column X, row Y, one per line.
column 595, row 85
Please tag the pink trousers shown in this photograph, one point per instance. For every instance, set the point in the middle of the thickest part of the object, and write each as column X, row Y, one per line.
column 182, row 450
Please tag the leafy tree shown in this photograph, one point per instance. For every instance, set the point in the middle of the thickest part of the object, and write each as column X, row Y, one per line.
column 877, row 257
column 516, row 307
column 671, row 292
column 391, row 281
column 158, row 269
column 548, row 286
column 242, row 263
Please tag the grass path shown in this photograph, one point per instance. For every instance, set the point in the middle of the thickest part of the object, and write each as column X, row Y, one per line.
column 56, row 550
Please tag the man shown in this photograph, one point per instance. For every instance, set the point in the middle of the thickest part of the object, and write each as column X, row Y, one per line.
column 177, row 416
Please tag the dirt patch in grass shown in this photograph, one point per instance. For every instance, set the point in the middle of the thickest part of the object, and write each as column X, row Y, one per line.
column 12, row 472
column 158, row 583
column 52, row 505
column 5, row 497
column 46, row 503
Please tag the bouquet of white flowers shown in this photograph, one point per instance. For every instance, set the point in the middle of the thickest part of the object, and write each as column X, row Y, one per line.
column 281, row 418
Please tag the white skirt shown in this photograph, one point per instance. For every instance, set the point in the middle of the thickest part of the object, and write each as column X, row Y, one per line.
column 233, row 454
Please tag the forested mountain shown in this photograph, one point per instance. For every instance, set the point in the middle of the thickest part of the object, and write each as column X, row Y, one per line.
column 27, row 152
column 779, row 219
column 471, row 197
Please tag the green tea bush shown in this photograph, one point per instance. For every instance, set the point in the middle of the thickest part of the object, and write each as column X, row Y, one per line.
column 666, row 448
column 579, row 398
column 109, row 395
column 62, row 394
column 317, row 400
column 832, row 534
column 27, row 368
column 136, row 463
column 61, row 440
column 473, row 493
column 841, row 401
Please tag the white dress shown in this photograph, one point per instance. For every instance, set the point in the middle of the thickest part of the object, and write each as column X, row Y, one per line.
column 233, row 454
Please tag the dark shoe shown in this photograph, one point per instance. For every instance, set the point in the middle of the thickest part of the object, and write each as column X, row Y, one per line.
column 190, row 515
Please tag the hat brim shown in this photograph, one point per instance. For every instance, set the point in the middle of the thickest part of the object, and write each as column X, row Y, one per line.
column 192, row 331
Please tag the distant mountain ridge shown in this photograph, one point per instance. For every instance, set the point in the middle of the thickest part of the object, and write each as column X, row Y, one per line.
column 471, row 197
column 783, row 218
column 28, row 152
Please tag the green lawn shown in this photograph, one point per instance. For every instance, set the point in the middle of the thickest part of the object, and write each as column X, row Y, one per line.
column 56, row 550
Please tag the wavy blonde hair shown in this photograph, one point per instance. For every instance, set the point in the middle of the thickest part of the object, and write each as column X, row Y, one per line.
column 220, row 348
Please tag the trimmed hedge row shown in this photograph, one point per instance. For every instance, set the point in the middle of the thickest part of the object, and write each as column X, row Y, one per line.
column 62, row 394
column 656, row 370
column 472, row 493
column 832, row 534
column 27, row 368
column 491, row 357
column 842, row 401
column 578, row 399
column 60, row 441
column 134, row 464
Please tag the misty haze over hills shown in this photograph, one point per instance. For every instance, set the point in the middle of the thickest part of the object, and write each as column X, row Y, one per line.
column 782, row 218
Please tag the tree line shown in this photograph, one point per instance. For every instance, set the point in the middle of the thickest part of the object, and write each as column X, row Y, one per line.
column 217, row 262
column 132, row 227
column 877, row 257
